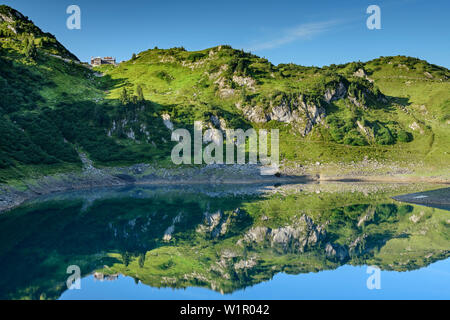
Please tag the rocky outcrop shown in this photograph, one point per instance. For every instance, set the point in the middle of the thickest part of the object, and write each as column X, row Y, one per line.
column 298, row 237
column 335, row 251
column 416, row 127
column 257, row 234
column 283, row 113
column 6, row 18
column 245, row 264
column 223, row 84
column 367, row 132
column 168, row 233
column 212, row 135
column 105, row 277
column 12, row 29
column 361, row 73
column 167, row 122
column 247, row 82
column 219, row 123
column 368, row 216
column 133, row 128
column 254, row 113
column 337, row 93
column 213, row 224
column 358, row 245
column 302, row 114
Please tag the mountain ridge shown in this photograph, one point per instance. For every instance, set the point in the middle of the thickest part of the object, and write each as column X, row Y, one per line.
column 390, row 109
column 15, row 25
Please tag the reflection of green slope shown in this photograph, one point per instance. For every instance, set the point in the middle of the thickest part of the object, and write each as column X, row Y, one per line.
column 172, row 239
column 387, row 237
column 423, row 236
column 39, row 242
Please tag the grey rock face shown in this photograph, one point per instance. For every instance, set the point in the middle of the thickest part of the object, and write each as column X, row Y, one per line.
column 255, row 114
column 283, row 113
column 257, row 234
column 304, row 115
column 336, row 251
column 358, row 245
column 360, row 73
column 6, row 18
column 299, row 112
column 245, row 264
column 340, row 92
column 297, row 237
column 214, row 224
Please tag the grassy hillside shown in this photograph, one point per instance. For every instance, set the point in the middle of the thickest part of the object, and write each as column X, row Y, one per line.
column 421, row 96
column 20, row 33
column 390, row 110
column 393, row 108
column 52, row 106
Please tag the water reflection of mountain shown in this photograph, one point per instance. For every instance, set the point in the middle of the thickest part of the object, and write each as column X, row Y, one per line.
column 224, row 240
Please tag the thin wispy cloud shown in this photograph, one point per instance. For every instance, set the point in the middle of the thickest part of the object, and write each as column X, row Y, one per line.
column 305, row 31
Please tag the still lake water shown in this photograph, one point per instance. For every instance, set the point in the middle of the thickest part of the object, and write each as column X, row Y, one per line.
column 347, row 282
column 229, row 242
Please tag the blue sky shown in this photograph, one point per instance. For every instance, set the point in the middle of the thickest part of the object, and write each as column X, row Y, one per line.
column 318, row 32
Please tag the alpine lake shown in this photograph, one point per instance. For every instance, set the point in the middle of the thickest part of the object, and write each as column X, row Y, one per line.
column 295, row 241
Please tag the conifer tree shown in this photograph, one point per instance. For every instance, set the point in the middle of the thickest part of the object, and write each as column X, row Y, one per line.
column 30, row 50
column 124, row 97
column 140, row 93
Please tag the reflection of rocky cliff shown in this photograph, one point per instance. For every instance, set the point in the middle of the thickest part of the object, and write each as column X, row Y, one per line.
column 102, row 277
column 297, row 237
column 222, row 243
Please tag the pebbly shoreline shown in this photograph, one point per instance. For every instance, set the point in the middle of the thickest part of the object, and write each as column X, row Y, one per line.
column 145, row 174
column 141, row 174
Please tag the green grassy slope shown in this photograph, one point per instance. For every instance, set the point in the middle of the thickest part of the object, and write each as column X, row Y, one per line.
column 422, row 97
column 388, row 112
column 392, row 109
column 51, row 106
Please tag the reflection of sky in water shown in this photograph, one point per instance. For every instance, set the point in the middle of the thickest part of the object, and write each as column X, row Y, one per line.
column 347, row 282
